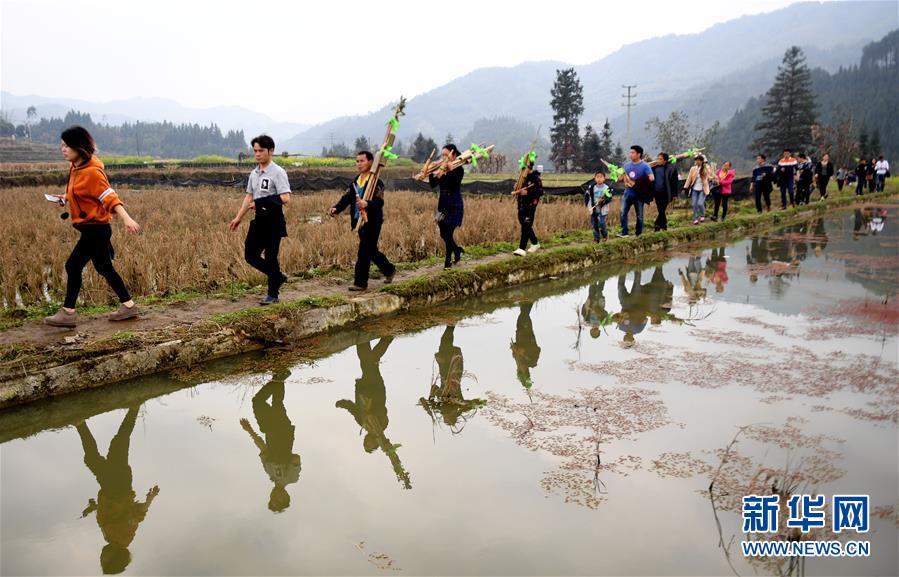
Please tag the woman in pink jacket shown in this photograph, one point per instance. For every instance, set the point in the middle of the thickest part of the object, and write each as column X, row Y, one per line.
column 725, row 177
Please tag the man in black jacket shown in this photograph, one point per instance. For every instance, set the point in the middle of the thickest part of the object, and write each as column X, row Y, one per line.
column 370, row 231
column 664, row 187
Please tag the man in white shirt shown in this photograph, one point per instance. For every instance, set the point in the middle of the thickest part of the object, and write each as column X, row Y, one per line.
column 268, row 190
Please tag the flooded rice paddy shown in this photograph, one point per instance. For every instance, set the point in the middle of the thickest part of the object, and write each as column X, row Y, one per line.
column 607, row 422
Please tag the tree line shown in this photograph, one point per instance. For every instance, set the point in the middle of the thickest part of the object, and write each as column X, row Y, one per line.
column 159, row 139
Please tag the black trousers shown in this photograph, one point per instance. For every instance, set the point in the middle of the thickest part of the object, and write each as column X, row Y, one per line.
column 661, row 199
column 93, row 246
column 265, row 238
column 526, row 220
column 446, row 233
column 369, row 253
column 758, row 199
column 860, row 187
column 822, row 187
column 803, row 192
column 721, row 201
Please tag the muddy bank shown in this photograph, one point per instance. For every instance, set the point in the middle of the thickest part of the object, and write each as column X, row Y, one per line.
column 29, row 373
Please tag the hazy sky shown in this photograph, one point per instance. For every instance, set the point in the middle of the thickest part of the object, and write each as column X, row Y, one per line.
column 311, row 61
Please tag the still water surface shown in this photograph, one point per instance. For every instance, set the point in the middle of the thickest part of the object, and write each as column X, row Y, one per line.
column 565, row 427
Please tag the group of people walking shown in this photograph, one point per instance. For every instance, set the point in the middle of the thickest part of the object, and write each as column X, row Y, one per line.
column 92, row 202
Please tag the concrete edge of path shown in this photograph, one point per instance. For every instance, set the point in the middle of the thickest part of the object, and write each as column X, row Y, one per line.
column 40, row 377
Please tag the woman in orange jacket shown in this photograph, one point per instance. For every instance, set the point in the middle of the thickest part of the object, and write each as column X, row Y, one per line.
column 91, row 202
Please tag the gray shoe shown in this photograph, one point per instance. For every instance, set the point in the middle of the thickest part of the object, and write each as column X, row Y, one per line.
column 124, row 313
column 357, row 288
column 62, row 318
column 269, row 300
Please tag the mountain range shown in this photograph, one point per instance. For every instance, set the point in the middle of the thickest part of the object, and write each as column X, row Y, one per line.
column 131, row 110
column 709, row 75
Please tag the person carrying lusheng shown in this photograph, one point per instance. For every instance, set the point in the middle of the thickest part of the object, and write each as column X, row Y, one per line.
column 786, row 169
column 268, row 190
column 638, row 179
column 823, row 173
column 762, row 183
column 697, row 187
column 366, row 195
column 450, row 205
column 528, row 197
column 598, row 198
column 91, row 202
column 664, row 187
column 370, row 231
column 725, row 179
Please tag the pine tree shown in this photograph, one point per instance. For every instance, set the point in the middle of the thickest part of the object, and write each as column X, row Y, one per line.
column 875, row 143
column 619, row 154
column 361, row 143
column 789, row 113
column 590, row 150
column 421, row 148
column 605, row 141
column 568, row 105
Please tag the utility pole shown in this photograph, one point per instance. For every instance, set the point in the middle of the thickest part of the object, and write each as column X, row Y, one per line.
column 331, row 141
column 630, row 96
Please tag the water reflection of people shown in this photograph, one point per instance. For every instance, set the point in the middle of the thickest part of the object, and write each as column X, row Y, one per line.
column 766, row 256
column 370, row 407
column 819, row 237
column 661, row 295
column 525, row 350
column 859, row 225
column 276, row 450
column 118, row 512
column 716, row 267
column 878, row 220
column 594, row 310
column 447, row 398
column 693, row 279
column 635, row 304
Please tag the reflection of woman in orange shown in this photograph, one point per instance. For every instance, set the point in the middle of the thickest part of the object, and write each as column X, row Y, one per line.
column 118, row 512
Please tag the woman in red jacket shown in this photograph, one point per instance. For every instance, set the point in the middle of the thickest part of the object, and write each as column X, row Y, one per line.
column 725, row 178
column 91, row 202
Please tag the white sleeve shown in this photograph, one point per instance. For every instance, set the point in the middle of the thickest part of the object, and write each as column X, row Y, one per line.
column 283, row 182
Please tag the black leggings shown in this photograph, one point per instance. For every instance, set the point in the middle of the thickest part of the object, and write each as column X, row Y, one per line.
column 721, row 199
column 446, row 233
column 93, row 246
column 526, row 220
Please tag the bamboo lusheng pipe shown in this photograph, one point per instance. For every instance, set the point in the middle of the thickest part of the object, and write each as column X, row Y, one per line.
column 425, row 168
column 526, row 165
column 681, row 156
column 464, row 158
column 384, row 153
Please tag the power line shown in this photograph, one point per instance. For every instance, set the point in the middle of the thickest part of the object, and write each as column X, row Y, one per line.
column 630, row 96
